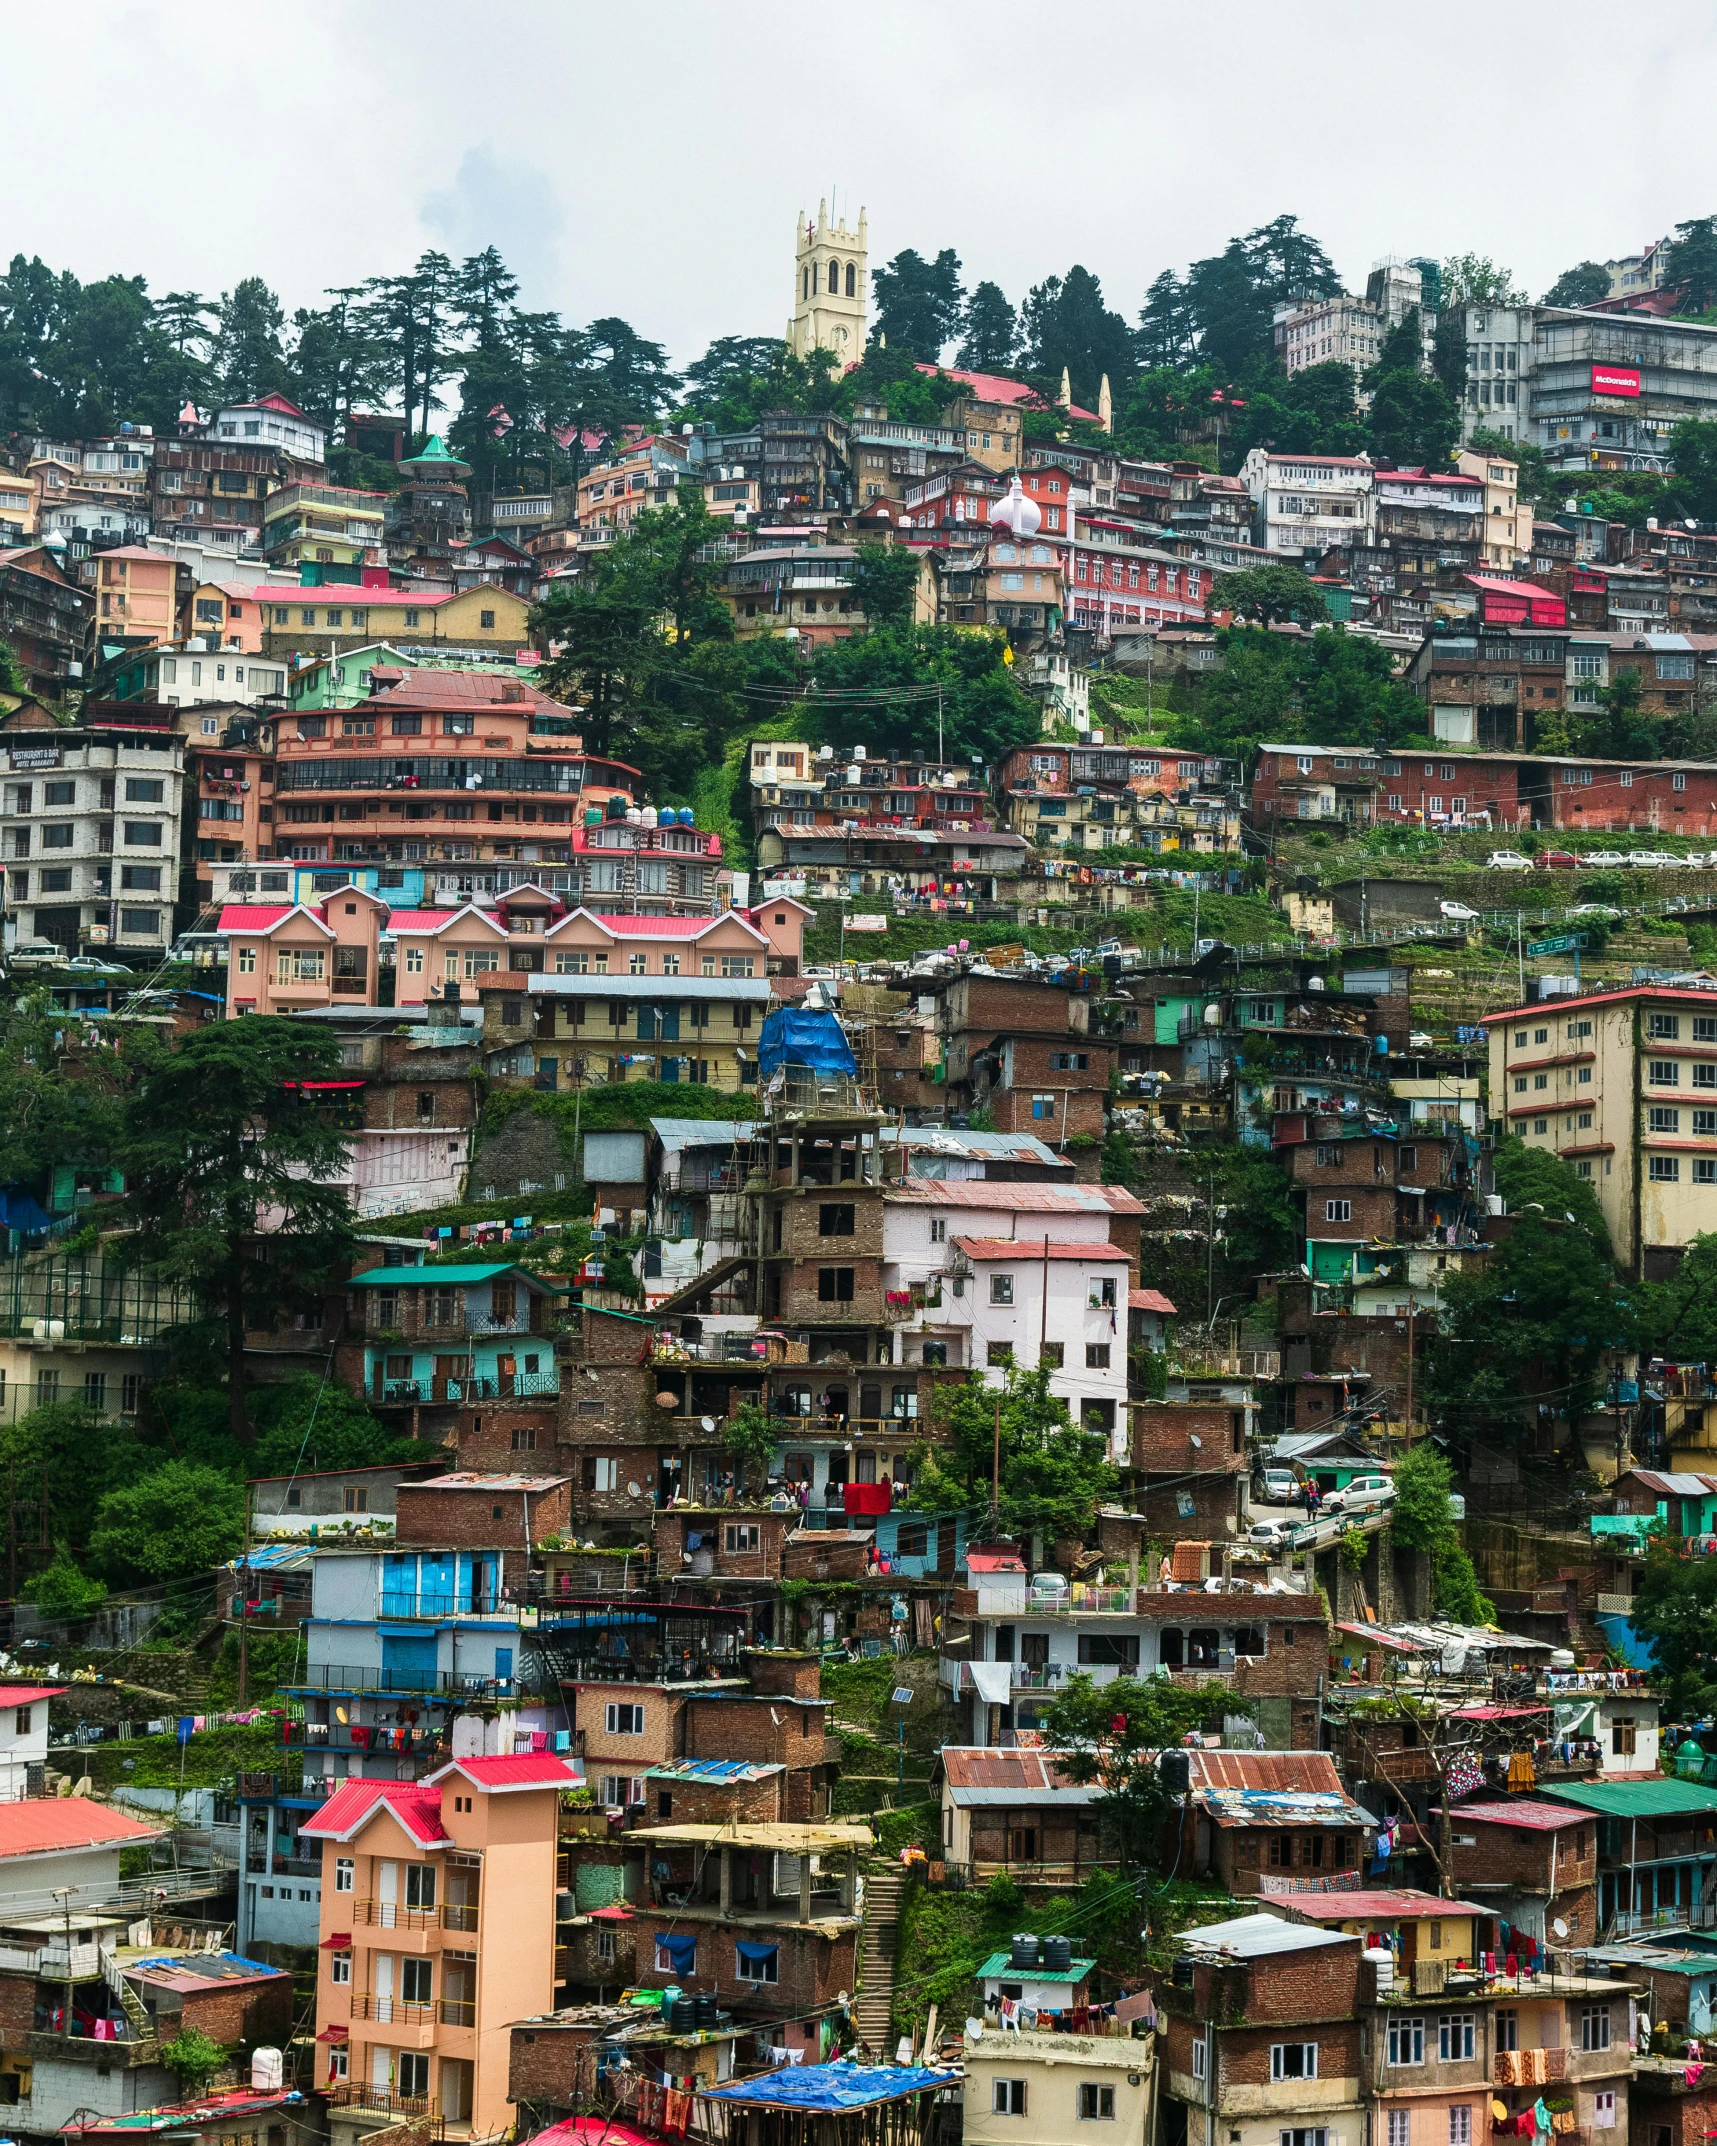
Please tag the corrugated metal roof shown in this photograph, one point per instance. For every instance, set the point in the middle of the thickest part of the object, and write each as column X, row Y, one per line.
column 1681, row 1484
column 1014, row 1199
column 990, row 1777
column 1149, row 1300
column 987, row 1249
column 1385, row 1905
column 1530, row 1811
column 40, row 1825
column 1638, row 1799
column 1313, row 1771
column 678, row 1133
column 1001, row 1147
column 1254, row 1937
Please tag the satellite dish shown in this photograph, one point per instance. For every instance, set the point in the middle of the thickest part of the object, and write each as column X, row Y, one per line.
column 1560, row 1927
column 709, row 1423
column 633, row 1490
column 1195, row 1441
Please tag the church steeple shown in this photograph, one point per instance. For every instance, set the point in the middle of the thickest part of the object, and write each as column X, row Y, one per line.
column 830, row 293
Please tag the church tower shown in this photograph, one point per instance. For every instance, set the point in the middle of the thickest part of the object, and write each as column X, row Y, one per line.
column 829, row 295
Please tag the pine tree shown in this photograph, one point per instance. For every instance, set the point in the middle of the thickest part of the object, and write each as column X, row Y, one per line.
column 989, row 331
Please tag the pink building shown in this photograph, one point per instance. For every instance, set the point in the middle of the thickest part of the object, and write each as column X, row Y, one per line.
column 290, row 958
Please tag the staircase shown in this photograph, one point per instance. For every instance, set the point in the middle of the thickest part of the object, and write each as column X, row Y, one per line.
column 882, row 1887
column 142, row 2026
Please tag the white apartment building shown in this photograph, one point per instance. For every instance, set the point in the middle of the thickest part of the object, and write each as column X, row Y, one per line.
column 1304, row 504
column 190, row 674
column 1499, row 365
column 24, row 1737
column 1325, row 331
column 90, row 834
column 272, row 422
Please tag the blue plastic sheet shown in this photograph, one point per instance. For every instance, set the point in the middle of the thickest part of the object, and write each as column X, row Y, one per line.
column 798, row 1036
column 833, row 2086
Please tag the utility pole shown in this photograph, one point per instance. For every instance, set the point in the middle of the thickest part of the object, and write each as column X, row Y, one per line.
column 1520, row 951
column 1412, row 1312
column 996, row 1474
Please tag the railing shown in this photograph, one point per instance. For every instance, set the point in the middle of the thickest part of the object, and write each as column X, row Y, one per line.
column 457, row 2011
column 1077, row 1601
column 416, row 1683
column 395, row 2011
column 354, row 2094
column 907, row 1429
column 521, row 1385
column 392, row 1915
column 1629, row 1922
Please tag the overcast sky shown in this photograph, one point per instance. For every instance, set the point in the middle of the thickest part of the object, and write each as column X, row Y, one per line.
column 649, row 160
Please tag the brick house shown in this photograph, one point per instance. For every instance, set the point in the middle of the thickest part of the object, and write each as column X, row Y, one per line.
column 1014, row 1810
column 1272, row 1822
column 1535, row 1863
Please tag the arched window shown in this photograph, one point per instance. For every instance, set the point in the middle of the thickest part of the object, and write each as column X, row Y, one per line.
column 805, row 292
column 852, row 283
column 834, row 279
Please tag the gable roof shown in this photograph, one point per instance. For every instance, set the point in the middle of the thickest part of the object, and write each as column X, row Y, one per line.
column 263, row 918
column 1018, row 1199
column 519, row 1770
column 1387, row 1904
column 989, row 1776
column 984, row 1250
column 431, row 923
column 49, row 1825
column 414, row 1804
column 441, row 1277
column 636, row 927
column 1250, row 1937
column 1150, row 1300
column 1529, row 1811
column 28, row 1694
column 1273, row 1788
column 1637, row 1799
column 996, row 387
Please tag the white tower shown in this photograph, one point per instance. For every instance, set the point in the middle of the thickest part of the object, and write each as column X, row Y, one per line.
column 829, row 294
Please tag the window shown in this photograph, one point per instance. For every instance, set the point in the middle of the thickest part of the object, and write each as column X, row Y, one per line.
column 1201, row 2057
column 1461, row 2124
column 835, row 1221
column 1454, row 2036
column 741, row 1535
column 21, row 1721
column 413, row 2074
column 1400, row 2130
column 1663, row 1119
column 1665, row 1169
column 938, row 1233
column 1102, row 1294
column 1293, row 2060
column 1622, row 1736
column 417, row 1981
column 339, row 1967
column 1338, row 1210
column 1705, row 1076
column 140, row 834
column 1663, row 1027
column 834, row 1285
column 58, row 837
column 139, row 790
column 1595, row 2026
column 1053, row 1354
column 1406, row 2041
column 1664, row 1073
column 998, row 1353
column 623, row 1719
column 601, row 1471
column 1001, row 1288
column 1043, row 1106
column 1097, row 1355
column 1508, row 2030
column 1705, row 1170
column 1705, row 1028
column 1096, row 2103
column 140, row 878
column 1007, row 2097
column 667, row 1964
column 345, row 1871
column 1329, row 1155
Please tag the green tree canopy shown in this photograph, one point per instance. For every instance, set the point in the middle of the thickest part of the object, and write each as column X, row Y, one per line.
column 233, row 1169
column 1111, row 1736
column 1328, row 689
column 919, row 303
column 1420, row 1520
column 1053, row 1476
column 885, row 580
column 1414, row 421
column 1582, row 285
column 179, row 1521
column 989, row 332
column 1692, row 264
column 1065, row 323
column 1474, row 279
column 1269, row 596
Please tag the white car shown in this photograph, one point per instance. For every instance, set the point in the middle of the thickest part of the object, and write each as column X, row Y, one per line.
column 1361, row 1495
column 1272, row 1533
column 1593, row 909
column 38, row 954
column 1458, row 912
column 1610, row 857
column 1647, row 860
column 1507, row 860
column 1280, row 1486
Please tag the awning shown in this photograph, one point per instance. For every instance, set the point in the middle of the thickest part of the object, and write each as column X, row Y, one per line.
column 334, row 2034
column 755, row 1955
column 611, row 1915
column 682, row 1950
column 336, row 1943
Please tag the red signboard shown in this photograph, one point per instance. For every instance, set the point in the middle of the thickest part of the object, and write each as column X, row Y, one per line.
column 1615, row 380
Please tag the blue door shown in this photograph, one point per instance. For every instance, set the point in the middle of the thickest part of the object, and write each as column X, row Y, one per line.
column 408, row 1661
column 503, row 1666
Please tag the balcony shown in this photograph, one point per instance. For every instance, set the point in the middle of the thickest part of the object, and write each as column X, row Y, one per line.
column 392, row 2011
column 390, row 1915
column 519, row 1385
column 1509, row 2069
column 408, row 1683
column 379, row 2101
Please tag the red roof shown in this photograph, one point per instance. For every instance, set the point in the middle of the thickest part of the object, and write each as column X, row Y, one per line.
column 989, row 1766
column 1268, row 1772
column 984, row 1249
column 522, row 1769
column 628, row 927
column 1503, row 587
column 1018, row 1199
column 1407, row 1905
column 994, row 1561
column 1149, row 1300
column 1603, row 998
column 414, row 1804
column 354, row 595
column 435, row 920
column 27, row 1694
column 42, row 1825
column 1527, row 1811
column 996, row 387
column 266, row 917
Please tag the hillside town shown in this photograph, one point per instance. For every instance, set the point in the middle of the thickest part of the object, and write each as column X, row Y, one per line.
column 595, row 961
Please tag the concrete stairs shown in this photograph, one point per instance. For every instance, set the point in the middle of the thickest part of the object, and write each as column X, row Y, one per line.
column 882, row 1889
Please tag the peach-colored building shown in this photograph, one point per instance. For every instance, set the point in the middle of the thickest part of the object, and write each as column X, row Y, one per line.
column 782, row 923
column 437, row 947
column 225, row 614
column 437, row 1933
column 136, row 593
column 288, row 958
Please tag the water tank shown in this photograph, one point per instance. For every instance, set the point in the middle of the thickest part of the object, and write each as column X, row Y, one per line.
column 615, row 809
column 1383, row 1960
column 683, row 2018
column 1058, row 1954
column 1690, row 1760
column 706, row 2011
column 651, row 817
column 634, row 817
column 1314, row 983
column 688, row 818
column 267, row 2071
column 1174, row 1770
column 593, row 815
column 565, row 1906
column 1180, row 1974
column 1024, row 1950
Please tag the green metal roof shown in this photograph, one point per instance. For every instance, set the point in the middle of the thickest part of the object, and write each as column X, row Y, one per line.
column 1001, row 1963
column 1637, row 1799
column 412, row 1277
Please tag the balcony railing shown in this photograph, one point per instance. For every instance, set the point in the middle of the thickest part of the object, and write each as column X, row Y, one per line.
column 457, row 2011
column 392, row 1915
column 414, row 1683
column 392, row 2011
column 354, row 2094
column 520, row 1385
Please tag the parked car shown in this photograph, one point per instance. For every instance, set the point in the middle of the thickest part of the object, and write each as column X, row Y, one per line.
column 1458, row 912
column 37, row 954
column 1609, row 857
column 1593, row 909
column 1555, row 860
column 1647, row 860
column 1280, row 1487
column 1507, row 860
column 1272, row 1533
column 1362, row 1495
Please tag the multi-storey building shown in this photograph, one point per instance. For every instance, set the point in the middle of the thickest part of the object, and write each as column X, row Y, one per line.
column 1323, row 331
column 17, row 508
column 1508, row 520
column 1305, row 505
column 137, row 595
column 276, row 424
column 91, row 827
column 44, row 616
column 328, row 524
column 1613, row 1083
column 455, row 1335
column 437, row 1931
column 830, row 294
column 1499, row 385
column 299, row 957
column 630, row 480
column 1024, row 1051
column 1608, row 390
column 428, row 520
column 210, row 491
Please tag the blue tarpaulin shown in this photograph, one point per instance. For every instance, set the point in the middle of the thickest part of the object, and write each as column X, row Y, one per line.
column 797, row 1036
column 683, row 1951
column 755, row 1955
column 833, row 2086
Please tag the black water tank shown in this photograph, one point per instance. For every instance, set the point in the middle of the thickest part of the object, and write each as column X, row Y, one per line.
column 683, row 2017
column 1057, row 1954
column 706, row 2011
column 1024, row 1953
column 1175, row 1770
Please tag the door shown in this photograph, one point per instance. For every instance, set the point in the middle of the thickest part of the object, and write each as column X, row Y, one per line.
column 387, row 1898
column 504, row 1667
column 408, row 1661
column 447, row 1368
column 384, row 1970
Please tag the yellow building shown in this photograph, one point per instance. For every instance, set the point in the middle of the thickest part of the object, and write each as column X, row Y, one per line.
column 829, row 292
column 1623, row 1086
column 323, row 524
column 136, row 594
column 17, row 507
column 324, row 619
column 1507, row 517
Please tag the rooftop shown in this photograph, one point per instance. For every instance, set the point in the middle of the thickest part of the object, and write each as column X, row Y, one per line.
column 1528, row 1811
column 1258, row 1937
column 49, row 1825
column 1404, row 1904
column 413, row 1805
column 985, row 1250
column 1001, row 1963
column 1638, row 1799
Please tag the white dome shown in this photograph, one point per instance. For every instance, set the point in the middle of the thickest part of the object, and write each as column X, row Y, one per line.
column 1016, row 512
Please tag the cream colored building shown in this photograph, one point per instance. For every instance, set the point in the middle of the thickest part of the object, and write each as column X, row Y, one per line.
column 1623, row 1086
column 829, row 292
column 1507, row 517
column 1055, row 2089
column 17, row 507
